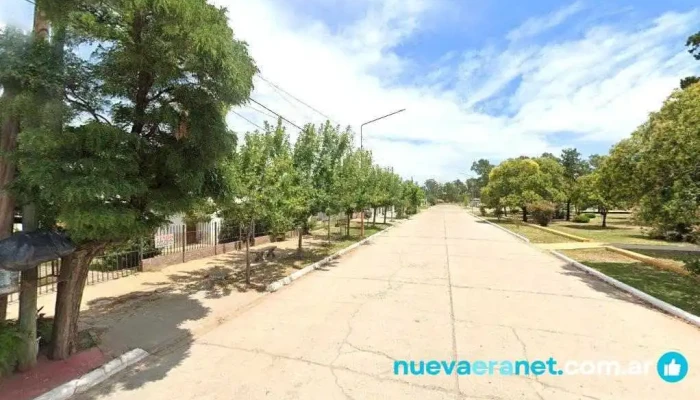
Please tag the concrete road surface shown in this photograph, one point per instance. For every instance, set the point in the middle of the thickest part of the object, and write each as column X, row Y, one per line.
column 443, row 287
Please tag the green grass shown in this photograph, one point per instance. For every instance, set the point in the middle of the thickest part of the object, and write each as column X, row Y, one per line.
column 681, row 256
column 619, row 230
column 535, row 235
column 680, row 290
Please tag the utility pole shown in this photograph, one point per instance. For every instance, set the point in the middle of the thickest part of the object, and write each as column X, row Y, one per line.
column 29, row 278
column 362, row 212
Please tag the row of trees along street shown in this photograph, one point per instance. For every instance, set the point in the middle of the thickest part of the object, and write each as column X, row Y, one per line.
column 655, row 173
column 107, row 146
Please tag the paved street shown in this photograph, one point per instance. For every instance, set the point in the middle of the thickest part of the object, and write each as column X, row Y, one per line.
column 441, row 286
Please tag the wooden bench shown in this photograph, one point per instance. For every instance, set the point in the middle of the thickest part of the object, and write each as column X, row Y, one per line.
column 263, row 253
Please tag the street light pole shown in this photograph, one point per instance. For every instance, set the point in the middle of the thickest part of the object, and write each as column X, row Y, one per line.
column 362, row 212
column 375, row 120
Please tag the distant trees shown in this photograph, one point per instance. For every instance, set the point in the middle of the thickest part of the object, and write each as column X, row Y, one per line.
column 518, row 182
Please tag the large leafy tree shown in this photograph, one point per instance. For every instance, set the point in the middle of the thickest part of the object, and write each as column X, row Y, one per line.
column 599, row 189
column 693, row 44
column 574, row 168
column 155, row 92
column 518, row 182
column 333, row 149
column 433, row 190
column 659, row 166
column 482, row 168
column 304, row 196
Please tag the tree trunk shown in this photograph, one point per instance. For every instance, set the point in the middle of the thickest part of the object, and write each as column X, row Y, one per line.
column 348, row 229
column 605, row 218
column 568, row 210
column 384, row 215
column 301, row 234
column 374, row 216
column 8, row 141
column 329, row 229
column 27, row 319
column 28, row 301
column 247, row 254
column 524, row 214
column 71, row 283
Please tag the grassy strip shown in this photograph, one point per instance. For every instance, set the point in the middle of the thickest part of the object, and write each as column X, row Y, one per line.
column 535, row 235
column 617, row 231
column 673, row 288
column 320, row 248
column 678, row 256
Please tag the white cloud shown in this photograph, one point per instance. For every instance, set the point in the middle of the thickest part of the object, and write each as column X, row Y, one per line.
column 537, row 25
column 598, row 87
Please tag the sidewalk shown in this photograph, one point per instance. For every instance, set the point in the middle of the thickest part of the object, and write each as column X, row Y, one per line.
column 151, row 309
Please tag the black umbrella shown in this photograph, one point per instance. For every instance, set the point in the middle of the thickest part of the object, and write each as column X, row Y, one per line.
column 25, row 250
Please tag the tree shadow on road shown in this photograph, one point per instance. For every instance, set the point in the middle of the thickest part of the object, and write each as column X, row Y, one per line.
column 600, row 286
column 150, row 320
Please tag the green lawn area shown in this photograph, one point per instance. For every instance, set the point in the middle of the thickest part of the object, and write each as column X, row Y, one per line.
column 680, row 256
column 535, row 235
column 619, row 230
column 680, row 290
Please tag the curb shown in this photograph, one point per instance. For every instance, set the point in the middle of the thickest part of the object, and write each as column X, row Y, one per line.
column 521, row 237
column 658, row 303
column 279, row 284
column 96, row 376
column 648, row 260
column 563, row 234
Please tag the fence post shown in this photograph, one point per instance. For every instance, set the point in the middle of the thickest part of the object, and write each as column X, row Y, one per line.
column 184, row 241
column 140, row 254
column 216, row 238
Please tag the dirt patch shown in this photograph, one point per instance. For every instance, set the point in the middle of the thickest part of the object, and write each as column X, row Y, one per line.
column 598, row 255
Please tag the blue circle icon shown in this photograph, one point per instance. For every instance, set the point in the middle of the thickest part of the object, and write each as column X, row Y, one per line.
column 672, row 367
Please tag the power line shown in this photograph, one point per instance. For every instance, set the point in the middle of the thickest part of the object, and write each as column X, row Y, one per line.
column 295, row 98
column 277, row 114
column 261, row 112
column 249, row 121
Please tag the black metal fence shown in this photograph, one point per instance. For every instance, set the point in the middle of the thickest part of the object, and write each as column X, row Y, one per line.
column 168, row 241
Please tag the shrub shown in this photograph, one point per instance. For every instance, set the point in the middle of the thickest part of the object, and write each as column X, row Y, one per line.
column 482, row 211
column 542, row 212
column 498, row 212
column 590, row 215
column 581, row 219
column 693, row 266
column 673, row 236
column 10, row 342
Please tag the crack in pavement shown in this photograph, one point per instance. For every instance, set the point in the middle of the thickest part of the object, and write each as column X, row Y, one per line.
column 524, row 348
column 524, row 328
column 452, row 306
column 534, row 292
column 346, row 369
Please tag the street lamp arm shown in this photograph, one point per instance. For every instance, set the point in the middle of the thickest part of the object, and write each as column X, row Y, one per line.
column 385, row 116
column 375, row 120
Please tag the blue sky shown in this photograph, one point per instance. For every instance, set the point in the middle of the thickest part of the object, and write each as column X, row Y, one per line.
column 492, row 79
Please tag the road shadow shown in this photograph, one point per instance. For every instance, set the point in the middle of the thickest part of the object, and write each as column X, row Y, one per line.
column 600, row 285
column 150, row 320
